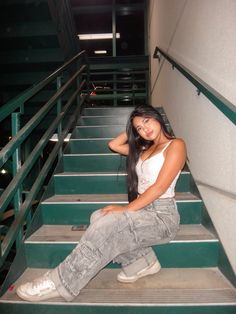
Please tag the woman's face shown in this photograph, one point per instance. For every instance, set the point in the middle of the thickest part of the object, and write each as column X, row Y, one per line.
column 147, row 127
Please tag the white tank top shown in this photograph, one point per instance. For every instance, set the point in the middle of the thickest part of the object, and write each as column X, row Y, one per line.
column 148, row 171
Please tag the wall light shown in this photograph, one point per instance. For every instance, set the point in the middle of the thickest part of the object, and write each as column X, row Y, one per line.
column 100, row 52
column 97, row 36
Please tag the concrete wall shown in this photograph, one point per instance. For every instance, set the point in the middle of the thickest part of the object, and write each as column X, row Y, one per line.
column 200, row 34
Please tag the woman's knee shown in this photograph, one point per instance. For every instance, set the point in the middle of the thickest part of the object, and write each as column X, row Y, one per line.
column 97, row 214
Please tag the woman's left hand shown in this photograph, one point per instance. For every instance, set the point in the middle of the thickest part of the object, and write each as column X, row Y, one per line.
column 113, row 208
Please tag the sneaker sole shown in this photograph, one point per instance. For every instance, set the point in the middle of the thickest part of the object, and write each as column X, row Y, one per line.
column 150, row 271
column 26, row 297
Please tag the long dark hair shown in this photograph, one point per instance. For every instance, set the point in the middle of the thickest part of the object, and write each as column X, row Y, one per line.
column 137, row 144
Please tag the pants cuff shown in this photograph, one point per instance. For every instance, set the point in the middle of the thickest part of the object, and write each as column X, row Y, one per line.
column 140, row 264
column 54, row 275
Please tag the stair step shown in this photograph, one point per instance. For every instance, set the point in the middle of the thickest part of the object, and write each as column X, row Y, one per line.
column 97, row 131
column 173, row 286
column 64, row 233
column 107, row 111
column 194, row 246
column 112, row 111
column 88, row 146
column 94, row 162
column 103, row 182
column 108, row 198
column 77, row 208
column 103, row 120
column 107, row 120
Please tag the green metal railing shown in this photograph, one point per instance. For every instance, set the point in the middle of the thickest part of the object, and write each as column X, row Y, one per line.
column 123, row 80
column 67, row 81
column 227, row 108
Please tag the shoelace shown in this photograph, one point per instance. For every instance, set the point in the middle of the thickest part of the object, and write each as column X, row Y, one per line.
column 43, row 283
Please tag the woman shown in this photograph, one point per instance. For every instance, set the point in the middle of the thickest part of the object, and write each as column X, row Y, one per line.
column 125, row 233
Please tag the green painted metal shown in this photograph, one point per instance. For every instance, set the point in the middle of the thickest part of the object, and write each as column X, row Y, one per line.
column 225, row 267
column 196, row 254
column 94, row 163
column 8, row 150
column 227, row 108
column 17, row 140
column 72, row 214
column 16, row 165
column 59, row 104
column 107, row 111
column 24, row 210
column 42, row 308
column 112, row 120
column 13, row 190
column 103, row 184
column 97, row 131
column 87, row 146
column 128, row 95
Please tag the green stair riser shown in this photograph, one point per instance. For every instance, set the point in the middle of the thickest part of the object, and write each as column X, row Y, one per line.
column 105, row 120
column 119, row 95
column 88, row 147
column 113, row 120
column 102, row 163
column 104, row 184
column 51, row 308
column 112, row 111
column 98, row 131
column 182, row 254
column 190, row 213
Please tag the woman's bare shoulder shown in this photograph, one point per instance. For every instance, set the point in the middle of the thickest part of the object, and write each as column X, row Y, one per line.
column 177, row 144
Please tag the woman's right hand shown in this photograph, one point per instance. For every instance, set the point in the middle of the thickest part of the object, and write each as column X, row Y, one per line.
column 119, row 144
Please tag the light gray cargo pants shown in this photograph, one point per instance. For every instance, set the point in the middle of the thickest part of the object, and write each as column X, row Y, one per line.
column 124, row 237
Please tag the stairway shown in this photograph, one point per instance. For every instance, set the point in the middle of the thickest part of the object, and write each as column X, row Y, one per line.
column 88, row 177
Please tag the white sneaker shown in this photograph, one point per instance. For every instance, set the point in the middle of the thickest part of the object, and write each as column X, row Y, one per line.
column 149, row 270
column 40, row 289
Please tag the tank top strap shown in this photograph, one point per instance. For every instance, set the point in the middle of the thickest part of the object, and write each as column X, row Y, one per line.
column 162, row 151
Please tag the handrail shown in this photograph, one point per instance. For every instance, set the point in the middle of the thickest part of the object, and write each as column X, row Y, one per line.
column 8, row 150
column 13, row 193
column 226, row 107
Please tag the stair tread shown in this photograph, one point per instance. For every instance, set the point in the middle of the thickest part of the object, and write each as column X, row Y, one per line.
column 99, row 173
column 108, row 198
column 64, row 233
column 180, row 286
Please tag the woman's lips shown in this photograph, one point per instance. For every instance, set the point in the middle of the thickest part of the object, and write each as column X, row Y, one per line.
column 149, row 134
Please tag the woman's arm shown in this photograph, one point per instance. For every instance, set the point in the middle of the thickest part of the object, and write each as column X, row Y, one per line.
column 119, row 144
column 175, row 157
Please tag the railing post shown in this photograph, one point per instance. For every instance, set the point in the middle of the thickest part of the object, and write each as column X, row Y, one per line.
column 59, row 128
column 78, row 80
column 16, row 165
column 0, row 245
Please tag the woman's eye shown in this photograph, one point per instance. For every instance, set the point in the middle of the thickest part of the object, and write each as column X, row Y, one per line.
column 146, row 120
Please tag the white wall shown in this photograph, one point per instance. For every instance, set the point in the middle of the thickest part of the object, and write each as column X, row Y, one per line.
column 200, row 34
